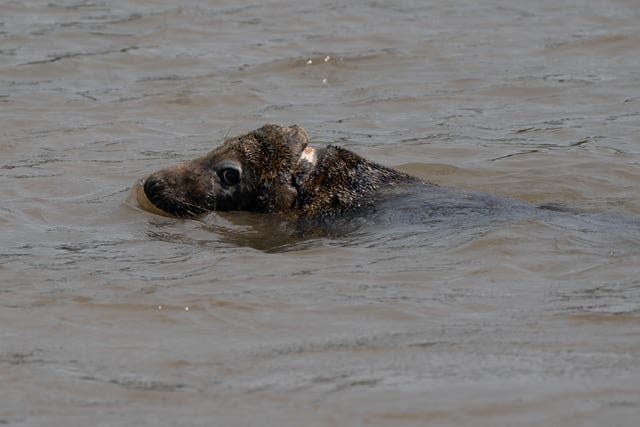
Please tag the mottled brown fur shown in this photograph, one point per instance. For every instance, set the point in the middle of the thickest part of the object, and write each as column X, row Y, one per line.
column 272, row 177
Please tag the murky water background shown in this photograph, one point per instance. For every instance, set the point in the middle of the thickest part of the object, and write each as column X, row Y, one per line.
column 110, row 315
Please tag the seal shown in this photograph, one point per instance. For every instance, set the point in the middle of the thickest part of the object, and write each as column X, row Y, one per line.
column 273, row 169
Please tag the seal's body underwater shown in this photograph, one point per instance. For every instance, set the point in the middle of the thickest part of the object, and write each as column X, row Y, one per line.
column 332, row 191
column 273, row 169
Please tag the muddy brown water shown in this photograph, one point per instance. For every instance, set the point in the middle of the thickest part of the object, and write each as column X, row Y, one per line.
column 111, row 315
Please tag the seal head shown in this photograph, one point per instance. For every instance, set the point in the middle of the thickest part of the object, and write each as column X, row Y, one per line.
column 252, row 172
column 272, row 169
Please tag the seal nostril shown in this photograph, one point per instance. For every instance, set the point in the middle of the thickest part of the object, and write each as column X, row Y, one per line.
column 148, row 186
column 152, row 188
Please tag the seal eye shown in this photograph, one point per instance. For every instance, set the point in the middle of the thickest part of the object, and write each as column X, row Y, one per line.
column 229, row 176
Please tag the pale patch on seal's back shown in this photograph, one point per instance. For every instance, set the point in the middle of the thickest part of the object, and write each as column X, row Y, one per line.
column 308, row 155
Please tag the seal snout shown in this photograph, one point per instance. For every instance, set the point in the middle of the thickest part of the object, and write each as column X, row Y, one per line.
column 163, row 196
column 155, row 190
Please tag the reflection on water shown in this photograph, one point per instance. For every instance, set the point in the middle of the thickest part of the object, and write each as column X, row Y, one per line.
column 424, row 311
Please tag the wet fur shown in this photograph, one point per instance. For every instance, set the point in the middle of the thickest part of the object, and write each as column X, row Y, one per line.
column 274, row 177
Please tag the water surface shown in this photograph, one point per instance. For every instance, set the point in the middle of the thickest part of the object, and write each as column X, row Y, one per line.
column 113, row 315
